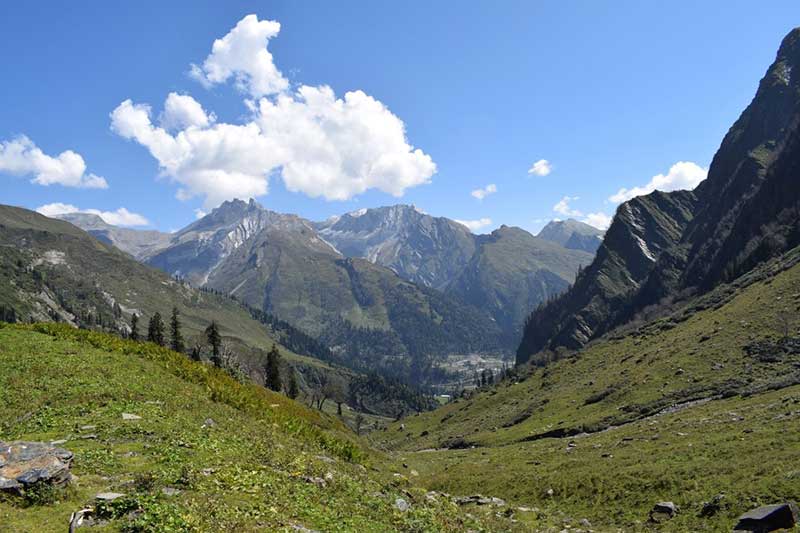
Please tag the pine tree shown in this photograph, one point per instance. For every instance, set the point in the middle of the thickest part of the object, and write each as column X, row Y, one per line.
column 272, row 372
column 134, row 327
column 294, row 389
column 176, row 339
column 215, row 340
column 155, row 330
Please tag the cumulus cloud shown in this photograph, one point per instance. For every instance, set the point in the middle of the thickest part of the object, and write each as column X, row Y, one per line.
column 21, row 157
column 221, row 162
column 480, row 194
column 681, row 175
column 243, row 55
column 199, row 213
column 120, row 217
column 598, row 220
column 181, row 111
column 475, row 225
column 542, row 167
column 318, row 144
column 563, row 207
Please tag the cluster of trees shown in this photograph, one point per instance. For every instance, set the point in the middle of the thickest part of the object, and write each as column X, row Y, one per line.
column 173, row 338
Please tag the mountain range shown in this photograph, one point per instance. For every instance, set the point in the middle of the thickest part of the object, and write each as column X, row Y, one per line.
column 379, row 285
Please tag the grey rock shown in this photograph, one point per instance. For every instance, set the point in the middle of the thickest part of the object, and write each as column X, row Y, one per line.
column 769, row 518
column 109, row 496
column 27, row 463
column 129, row 416
column 663, row 511
column 169, row 491
column 402, row 505
column 209, row 423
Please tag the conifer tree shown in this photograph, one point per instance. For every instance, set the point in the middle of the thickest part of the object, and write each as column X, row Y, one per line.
column 176, row 338
column 294, row 390
column 272, row 372
column 134, row 327
column 215, row 340
column 155, row 330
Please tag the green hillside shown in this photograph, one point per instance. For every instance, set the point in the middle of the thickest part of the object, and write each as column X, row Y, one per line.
column 266, row 463
column 701, row 402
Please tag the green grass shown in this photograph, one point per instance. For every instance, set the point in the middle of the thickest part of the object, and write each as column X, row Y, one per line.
column 244, row 474
column 699, row 451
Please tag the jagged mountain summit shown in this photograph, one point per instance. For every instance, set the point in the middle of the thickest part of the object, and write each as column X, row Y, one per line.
column 427, row 250
column 667, row 246
column 572, row 234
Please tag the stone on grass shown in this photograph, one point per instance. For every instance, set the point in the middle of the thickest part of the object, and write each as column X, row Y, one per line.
column 209, row 423
column 169, row 491
column 402, row 505
column 129, row 416
column 109, row 496
column 769, row 518
column 23, row 464
column 663, row 511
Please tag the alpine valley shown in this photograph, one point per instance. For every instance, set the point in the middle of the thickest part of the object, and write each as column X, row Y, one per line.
column 391, row 370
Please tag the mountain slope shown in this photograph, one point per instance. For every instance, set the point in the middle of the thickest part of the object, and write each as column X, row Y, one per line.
column 366, row 310
column 745, row 212
column 507, row 273
column 138, row 243
column 642, row 229
column 699, row 402
column 512, row 272
column 423, row 249
column 572, row 234
column 196, row 250
column 233, row 457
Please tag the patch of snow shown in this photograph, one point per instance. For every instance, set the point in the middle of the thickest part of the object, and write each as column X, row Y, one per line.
column 358, row 213
column 645, row 250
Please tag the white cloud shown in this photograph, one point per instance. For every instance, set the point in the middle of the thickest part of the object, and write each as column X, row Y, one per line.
column 181, row 111
column 320, row 145
column 480, row 194
column 338, row 148
column 681, row 175
column 199, row 213
column 120, row 217
column 563, row 208
column 542, row 167
column 598, row 220
column 243, row 55
column 475, row 225
column 21, row 157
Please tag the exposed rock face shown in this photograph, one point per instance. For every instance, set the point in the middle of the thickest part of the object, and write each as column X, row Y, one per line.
column 195, row 251
column 642, row 229
column 423, row 249
column 685, row 243
column 769, row 518
column 24, row 464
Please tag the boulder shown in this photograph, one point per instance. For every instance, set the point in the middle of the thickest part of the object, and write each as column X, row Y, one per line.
column 402, row 505
column 663, row 511
column 769, row 518
column 23, row 464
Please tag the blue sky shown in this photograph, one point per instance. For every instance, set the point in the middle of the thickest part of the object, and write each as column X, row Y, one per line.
column 610, row 94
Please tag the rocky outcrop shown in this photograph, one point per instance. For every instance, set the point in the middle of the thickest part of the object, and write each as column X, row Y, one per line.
column 25, row 464
column 642, row 229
